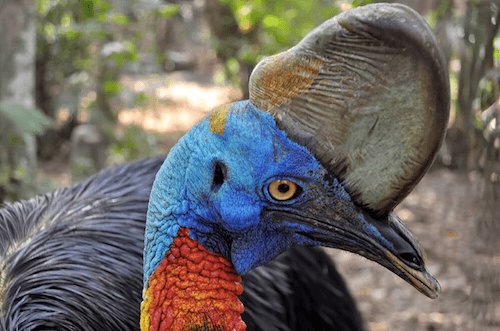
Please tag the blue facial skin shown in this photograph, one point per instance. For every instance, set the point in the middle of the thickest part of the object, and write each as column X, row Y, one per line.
column 234, row 218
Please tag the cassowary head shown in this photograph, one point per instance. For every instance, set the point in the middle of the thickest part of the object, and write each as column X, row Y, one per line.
column 336, row 133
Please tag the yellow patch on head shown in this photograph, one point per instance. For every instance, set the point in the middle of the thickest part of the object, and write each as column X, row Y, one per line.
column 281, row 77
column 146, row 302
column 218, row 118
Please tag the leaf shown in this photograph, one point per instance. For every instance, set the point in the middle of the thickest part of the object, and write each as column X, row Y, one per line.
column 168, row 11
column 272, row 21
column 43, row 7
column 87, row 8
column 496, row 51
column 27, row 120
column 119, row 19
column 112, row 87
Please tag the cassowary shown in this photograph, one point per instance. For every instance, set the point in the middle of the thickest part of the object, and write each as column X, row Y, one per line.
column 336, row 133
column 72, row 260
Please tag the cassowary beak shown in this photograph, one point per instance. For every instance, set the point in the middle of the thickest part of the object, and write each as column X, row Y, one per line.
column 385, row 240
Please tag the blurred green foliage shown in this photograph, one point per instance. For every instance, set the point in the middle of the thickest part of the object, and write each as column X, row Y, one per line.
column 132, row 143
column 92, row 40
column 268, row 27
column 82, row 49
column 281, row 24
column 89, row 39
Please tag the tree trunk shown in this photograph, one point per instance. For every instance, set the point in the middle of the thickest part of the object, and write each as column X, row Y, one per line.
column 476, row 59
column 17, row 65
column 484, row 275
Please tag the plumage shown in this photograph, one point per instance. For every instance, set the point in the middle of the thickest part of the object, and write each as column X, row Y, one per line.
column 72, row 260
column 299, row 290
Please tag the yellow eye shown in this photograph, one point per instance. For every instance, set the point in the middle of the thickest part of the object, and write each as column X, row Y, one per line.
column 282, row 189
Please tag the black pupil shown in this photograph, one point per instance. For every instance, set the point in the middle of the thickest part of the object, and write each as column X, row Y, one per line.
column 283, row 188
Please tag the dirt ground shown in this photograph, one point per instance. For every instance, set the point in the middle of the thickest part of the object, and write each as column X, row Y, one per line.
column 441, row 212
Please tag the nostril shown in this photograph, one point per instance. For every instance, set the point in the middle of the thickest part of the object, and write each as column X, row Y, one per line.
column 220, row 173
column 411, row 259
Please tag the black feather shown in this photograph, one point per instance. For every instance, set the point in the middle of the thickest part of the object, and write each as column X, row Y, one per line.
column 72, row 260
column 299, row 290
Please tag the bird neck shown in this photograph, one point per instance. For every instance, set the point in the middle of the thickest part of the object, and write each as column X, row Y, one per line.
column 187, row 284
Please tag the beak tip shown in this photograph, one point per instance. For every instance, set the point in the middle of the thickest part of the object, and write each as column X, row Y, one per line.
column 433, row 288
column 437, row 290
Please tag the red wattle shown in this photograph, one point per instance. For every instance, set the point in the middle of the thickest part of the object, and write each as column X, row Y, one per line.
column 193, row 287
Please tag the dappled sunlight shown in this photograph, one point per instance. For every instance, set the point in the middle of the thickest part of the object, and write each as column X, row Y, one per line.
column 173, row 103
column 161, row 119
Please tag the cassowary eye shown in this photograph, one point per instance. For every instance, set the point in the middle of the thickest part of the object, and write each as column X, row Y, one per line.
column 283, row 189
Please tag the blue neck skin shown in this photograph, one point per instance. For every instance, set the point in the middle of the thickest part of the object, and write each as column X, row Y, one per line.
column 228, row 219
